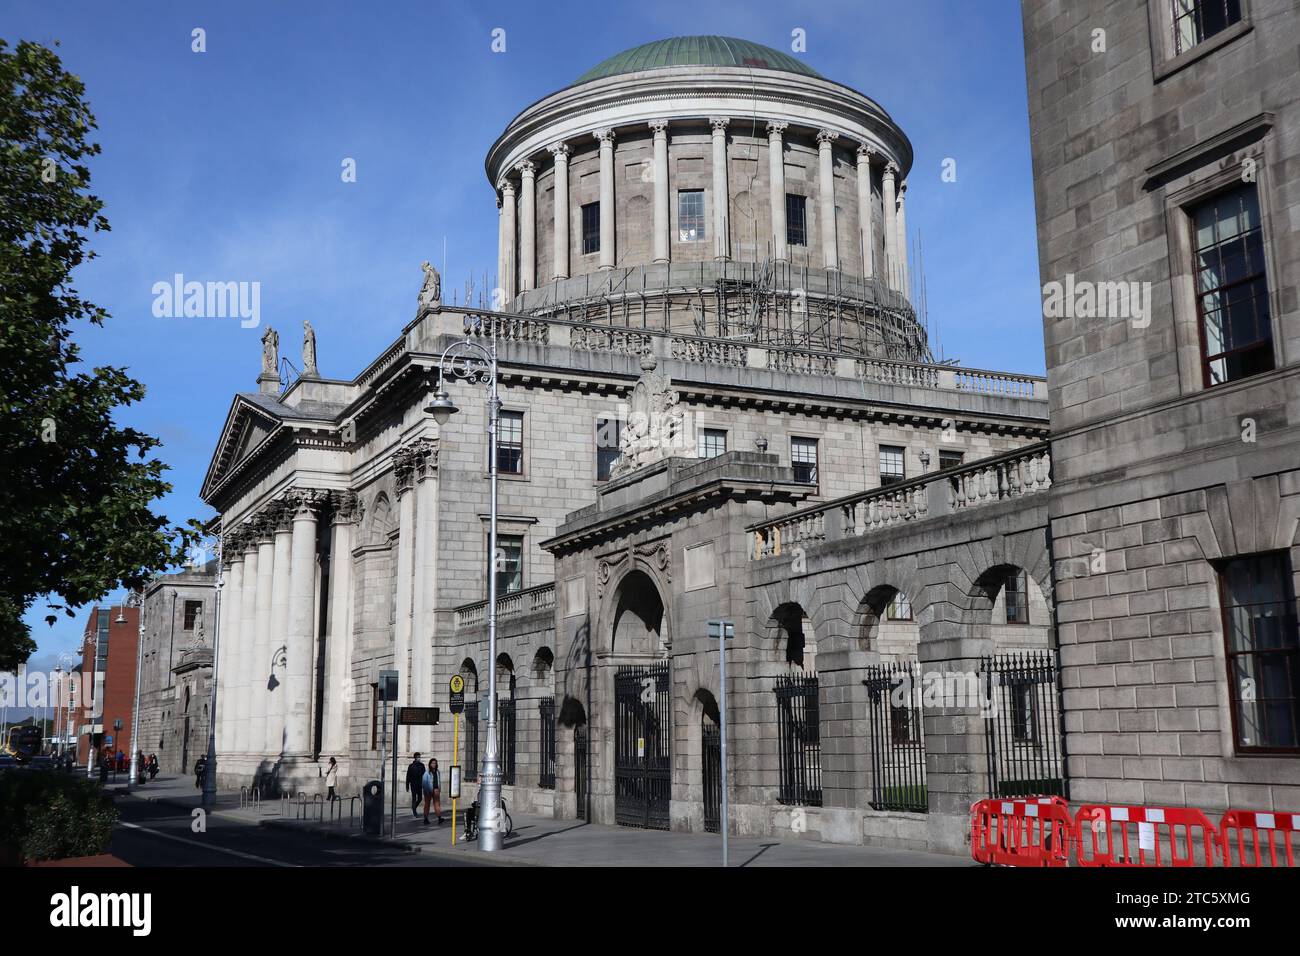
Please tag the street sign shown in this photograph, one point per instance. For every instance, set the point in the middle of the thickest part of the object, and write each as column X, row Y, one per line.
column 388, row 686
column 457, row 703
column 455, row 783
column 417, row 716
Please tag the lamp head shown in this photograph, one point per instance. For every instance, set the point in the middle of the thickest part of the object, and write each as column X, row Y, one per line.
column 442, row 407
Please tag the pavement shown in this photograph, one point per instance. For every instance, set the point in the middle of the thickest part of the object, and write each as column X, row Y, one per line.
column 536, row 841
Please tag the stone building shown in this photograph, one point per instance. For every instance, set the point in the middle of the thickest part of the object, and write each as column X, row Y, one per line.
column 1166, row 155
column 176, row 669
column 707, row 413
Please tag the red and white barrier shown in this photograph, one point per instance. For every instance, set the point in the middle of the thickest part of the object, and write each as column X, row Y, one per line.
column 1030, row 832
column 1253, row 838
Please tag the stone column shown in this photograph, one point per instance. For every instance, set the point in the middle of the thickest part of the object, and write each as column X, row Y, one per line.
column 662, row 221
column 424, row 585
column 826, row 187
column 280, row 583
column 258, row 737
column 607, row 230
column 527, row 225
column 502, row 268
column 338, row 639
column 887, row 180
column 228, row 676
column 508, row 230
column 865, row 153
column 247, row 648
column 903, row 277
column 721, row 196
column 776, row 192
column 561, row 153
column 404, row 472
column 302, row 616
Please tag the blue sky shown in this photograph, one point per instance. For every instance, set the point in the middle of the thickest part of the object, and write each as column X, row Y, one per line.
column 225, row 165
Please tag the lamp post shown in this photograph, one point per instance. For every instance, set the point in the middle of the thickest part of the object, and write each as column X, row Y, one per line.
column 58, row 708
column 477, row 364
column 210, row 764
column 136, row 600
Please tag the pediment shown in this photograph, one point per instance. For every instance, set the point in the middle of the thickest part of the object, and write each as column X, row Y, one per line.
column 248, row 427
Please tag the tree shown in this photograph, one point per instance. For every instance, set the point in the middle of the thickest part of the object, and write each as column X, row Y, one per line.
column 75, row 488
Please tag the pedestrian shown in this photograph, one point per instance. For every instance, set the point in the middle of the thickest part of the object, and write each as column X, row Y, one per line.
column 200, row 767
column 415, row 784
column 432, row 787
column 121, row 760
column 331, row 780
column 153, row 766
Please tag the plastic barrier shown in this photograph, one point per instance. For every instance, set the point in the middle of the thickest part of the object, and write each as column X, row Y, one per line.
column 1145, row 837
column 1032, row 832
column 1253, row 838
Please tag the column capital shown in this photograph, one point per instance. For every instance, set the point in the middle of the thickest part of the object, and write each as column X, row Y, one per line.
column 500, row 204
column 902, row 189
column 303, row 503
column 424, row 458
column 891, row 169
column 526, row 169
column 826, row 137
column 404, row 469
column 658, row 126
column 605, row 136
column 777, row 128
column 867, row 152
column 248, row 536
column 347, row 507
column 560, row 151
column 506, row 186
column 719, row 123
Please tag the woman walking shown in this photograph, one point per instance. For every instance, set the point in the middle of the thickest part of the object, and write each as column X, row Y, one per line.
column 432, row 791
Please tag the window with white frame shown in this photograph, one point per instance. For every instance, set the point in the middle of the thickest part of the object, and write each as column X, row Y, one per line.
column 803, row 459
column 713, row 442
column 892, row 469
column 690, row 215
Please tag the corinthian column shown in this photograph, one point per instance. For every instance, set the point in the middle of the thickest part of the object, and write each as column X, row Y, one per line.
column 247, row 647
column 561, row 153
column 302, row 616
column 660, row 129
column 280, row 583
column 903, row 277
column 721, row 197
column 527, row 225
column 232, row 615
column 865, row 153
column 258, row 741
column 502, row 268
column 826, row 184
column 607, row 230
column 776, row 192
column 338, row 637
column 425, row 461
column 508, row 230
column 404, row 473
column 887, row 180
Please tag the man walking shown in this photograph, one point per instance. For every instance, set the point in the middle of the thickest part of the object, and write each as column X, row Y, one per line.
column 415, row 784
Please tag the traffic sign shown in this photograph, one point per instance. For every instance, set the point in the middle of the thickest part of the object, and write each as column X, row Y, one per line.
column 457, row 687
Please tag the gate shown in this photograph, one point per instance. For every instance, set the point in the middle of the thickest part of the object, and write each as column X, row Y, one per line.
column 546, row 723
column 1024, row 734
column 471, row 741
column 799, row 730
column 711, row 757
column 897, row 739
column 642, row 761
column 506, row 739
column 580, row 769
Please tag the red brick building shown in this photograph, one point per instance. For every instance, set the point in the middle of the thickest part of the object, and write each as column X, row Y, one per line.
column 109, row 647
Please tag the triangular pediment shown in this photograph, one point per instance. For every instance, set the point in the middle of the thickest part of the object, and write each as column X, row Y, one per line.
column 248, row 427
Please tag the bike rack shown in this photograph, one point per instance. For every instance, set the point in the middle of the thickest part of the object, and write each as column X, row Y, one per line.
column 286, row 803
column 318, row 803
column 352, row 810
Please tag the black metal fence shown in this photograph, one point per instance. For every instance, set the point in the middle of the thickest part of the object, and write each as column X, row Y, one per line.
column 546, row 722
column 799, row 734
column 506, row 739
column 897, row 738
column 580, row 769
column 711, row 764
column 471, row 741
column 1023, row 729
column 642, row 747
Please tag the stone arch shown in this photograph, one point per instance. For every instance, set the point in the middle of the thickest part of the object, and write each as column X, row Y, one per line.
column 886, row 622
column 379, row 524
column 469, row 671
column 767, row 600
column 636, row 617
column 506, row 679
column 791, row 638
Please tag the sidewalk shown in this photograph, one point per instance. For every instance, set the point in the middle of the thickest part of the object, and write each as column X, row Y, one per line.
column 542, row 841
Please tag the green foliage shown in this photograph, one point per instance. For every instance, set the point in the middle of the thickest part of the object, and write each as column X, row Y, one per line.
column 50, row 815
column 75, row 488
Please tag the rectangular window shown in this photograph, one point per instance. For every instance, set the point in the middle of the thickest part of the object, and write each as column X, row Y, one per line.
column 899, row 608
column 1231, row 287
column 608, row 433
column 690, row 215
column 803, row 458
column 713, row 442
column 1198, row 20
column 796, row 220
column 950, row 459
column 374, row 715
column 1017, row 606
column 510, row 443
column 192, row 610
column 590, row 228
column 509, row 564
column 1024, row 712
column 1262, row 641
column 892, row 469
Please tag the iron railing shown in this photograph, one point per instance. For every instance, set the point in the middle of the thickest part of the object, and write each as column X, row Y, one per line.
column 471, row 741
column 546, row 719
column 897, row 738
column 642, row 746
column 580, row 769
column 1023, row 725
column 711, row 765
column 506, row 739
column 799, row 734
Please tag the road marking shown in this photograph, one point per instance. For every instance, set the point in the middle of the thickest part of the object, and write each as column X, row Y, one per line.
column 206, row 846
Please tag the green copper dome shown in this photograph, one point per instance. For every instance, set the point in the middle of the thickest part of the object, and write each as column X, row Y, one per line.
column 697, row 51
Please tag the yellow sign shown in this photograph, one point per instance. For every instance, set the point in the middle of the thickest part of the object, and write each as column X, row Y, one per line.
column 457, row 684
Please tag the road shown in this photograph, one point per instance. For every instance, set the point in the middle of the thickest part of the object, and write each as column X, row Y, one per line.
column 158, row 834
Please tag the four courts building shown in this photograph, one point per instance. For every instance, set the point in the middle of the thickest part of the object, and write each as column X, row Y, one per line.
column 718, row 404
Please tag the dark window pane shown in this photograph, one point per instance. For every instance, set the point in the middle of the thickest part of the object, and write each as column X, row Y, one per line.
column 510, row 443
column 803, row 458
column 891, row 464
column 608, row 433
column 796, row 222
column 590, row 228
column 690, row 215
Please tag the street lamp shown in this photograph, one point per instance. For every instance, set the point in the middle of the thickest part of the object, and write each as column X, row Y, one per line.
column 210, row 764
column 58, row 708
column 477, row 364
column 135, row 599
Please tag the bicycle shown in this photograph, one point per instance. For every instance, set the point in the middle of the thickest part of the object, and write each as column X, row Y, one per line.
column 471, row 822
